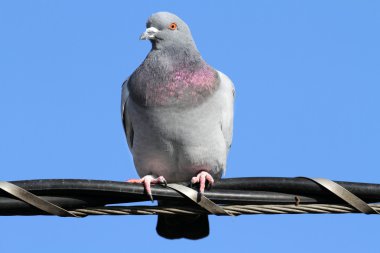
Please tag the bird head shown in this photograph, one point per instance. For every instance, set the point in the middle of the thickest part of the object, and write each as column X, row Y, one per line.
column 165, row 29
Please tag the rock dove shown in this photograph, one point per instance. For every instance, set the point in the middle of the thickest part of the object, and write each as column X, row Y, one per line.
column 177, row 113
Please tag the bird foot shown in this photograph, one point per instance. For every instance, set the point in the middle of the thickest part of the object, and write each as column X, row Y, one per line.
column 147, row 181
column 201, row 178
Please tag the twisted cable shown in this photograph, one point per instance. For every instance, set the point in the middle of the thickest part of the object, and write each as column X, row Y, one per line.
column 232, row 209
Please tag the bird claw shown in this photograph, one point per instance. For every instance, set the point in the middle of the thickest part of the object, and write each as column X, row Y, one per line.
column 202, row 178
column 147, row 181
column 163, row 181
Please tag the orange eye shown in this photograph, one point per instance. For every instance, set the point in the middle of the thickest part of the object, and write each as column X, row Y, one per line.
column 173, row 26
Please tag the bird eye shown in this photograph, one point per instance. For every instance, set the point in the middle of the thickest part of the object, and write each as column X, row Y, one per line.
column 173, row 26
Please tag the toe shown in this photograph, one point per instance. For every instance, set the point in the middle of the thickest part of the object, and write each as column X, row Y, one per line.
column 159, row 180
column 162, row 180
column 202, row 183
column 195, row 180
column 148, row 190
column 134, row 181
column 209, row 179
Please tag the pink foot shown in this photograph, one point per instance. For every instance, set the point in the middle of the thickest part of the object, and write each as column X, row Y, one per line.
column 201, row 179
column 147, row 181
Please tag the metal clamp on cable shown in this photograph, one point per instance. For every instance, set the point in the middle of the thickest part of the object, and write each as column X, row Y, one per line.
column 203, row 202
column 344, row 194
column 34, row 200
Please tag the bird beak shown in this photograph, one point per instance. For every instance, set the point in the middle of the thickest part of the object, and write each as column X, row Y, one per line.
column 149, row 33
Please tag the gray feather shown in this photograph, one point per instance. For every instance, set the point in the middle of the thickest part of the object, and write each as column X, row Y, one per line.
column 127, row 124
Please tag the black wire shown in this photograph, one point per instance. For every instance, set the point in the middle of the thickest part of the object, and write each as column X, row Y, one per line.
column 77, row 193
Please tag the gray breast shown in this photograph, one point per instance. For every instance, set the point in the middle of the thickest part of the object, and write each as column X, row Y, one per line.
column 178, row 142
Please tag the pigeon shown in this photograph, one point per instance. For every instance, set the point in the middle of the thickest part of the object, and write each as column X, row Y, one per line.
column 177, row 113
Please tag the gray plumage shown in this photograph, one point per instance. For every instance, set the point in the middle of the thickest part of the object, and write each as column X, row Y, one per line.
column 177, row 111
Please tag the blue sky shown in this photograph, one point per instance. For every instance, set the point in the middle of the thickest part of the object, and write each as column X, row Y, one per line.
column 307, row 104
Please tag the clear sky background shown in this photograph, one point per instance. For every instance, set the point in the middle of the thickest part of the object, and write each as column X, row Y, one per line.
column 307, row 77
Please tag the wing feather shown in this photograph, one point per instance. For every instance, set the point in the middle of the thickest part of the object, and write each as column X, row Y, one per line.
column 127, row 124
column 227, row 115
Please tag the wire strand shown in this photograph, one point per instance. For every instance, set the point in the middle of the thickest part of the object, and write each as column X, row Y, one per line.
column 233, row 209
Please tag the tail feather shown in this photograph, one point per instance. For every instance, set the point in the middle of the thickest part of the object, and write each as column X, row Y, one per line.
column 192, row 227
